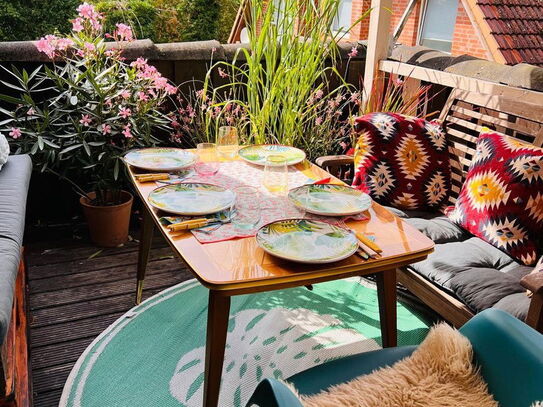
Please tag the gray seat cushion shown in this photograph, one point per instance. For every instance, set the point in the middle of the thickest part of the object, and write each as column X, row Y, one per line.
column 475, row 272
column 14, row 180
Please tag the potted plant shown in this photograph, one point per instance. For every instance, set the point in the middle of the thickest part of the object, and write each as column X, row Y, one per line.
column 78, row 117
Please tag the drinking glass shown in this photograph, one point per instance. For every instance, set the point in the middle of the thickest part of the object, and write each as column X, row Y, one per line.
column 276, row 174
column 246, row 209
column 208, row 161
column 227, row 141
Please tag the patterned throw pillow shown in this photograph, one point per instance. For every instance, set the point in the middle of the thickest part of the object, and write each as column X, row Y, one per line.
column 501, row 200
column 4, row 150
column 402, row 161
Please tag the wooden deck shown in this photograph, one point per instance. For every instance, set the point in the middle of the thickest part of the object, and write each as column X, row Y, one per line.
column 75, row 291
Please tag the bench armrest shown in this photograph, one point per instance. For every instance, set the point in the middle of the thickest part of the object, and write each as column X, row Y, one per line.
column 273, row 393
column 334, row 160
column 534, row 283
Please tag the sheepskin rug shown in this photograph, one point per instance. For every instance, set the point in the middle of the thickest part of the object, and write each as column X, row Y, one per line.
column 440, row 373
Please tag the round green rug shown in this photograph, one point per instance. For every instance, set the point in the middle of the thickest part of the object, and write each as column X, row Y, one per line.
column 154, row 354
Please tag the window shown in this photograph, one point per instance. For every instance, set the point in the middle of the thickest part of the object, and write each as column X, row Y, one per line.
column 342, row 22
column 438, row 23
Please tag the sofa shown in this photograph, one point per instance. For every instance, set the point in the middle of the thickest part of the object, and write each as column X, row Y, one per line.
column 14, row 181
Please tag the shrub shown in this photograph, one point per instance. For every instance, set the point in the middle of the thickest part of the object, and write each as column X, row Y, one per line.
column 203, row 19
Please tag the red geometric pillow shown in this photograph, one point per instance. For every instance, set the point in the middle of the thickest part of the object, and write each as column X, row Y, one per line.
column 501, row 200
column 402, row 161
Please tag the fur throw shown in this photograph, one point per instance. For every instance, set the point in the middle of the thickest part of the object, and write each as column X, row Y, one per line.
column 440, row 373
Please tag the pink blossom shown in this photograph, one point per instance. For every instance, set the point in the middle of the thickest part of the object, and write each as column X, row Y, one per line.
column 222, row 74
column 125, row 94
column 126, row 131
column 213, row 50
column 142, row 96
column 87, row 10
column 31, row 111
column 139, row 63
column 170, row 89
column 175, row 124
column 47, row 45
column 318, row 121
column 15, row 132
column 85, row 120
column 124, row 32
column 125, row 112
column 77, row 24
column 160, row 82
column 319, row 93
column 355, row 97
column 63, row 44
column 89, row 47
column 353, row 53
column 106, row 129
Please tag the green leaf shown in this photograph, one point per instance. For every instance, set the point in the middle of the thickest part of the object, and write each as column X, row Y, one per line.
column 71, row 148
column 11, row 99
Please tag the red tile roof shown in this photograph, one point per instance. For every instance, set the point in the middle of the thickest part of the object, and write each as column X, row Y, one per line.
column 517, row 26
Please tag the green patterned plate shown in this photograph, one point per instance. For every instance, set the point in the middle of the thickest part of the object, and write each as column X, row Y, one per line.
column 160, row 159
column 258, row 154
column 330, row 200
column 306, row 241
column 191, row 199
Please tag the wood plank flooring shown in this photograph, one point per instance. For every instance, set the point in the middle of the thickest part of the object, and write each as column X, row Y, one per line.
column 75, row 291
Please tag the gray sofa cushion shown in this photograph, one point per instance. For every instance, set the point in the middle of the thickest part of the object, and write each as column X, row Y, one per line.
column 14, row 181
column 475, row 272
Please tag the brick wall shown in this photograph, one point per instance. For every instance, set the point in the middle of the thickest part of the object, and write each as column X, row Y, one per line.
column 465, row 39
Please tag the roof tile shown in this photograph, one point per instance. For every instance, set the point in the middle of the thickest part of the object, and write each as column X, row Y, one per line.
column 517, row 26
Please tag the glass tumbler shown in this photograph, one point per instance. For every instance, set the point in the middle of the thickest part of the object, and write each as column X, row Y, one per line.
column 208, row 161
column 246, row 209
column 227, row 141
column 275, row 177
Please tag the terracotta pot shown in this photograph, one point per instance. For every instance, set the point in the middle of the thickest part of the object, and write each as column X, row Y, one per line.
column 108, row 225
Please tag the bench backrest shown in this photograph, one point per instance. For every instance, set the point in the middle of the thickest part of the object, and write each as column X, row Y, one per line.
column 466, row 113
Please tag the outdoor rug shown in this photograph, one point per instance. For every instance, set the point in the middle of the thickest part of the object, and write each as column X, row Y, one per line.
column 154, row 354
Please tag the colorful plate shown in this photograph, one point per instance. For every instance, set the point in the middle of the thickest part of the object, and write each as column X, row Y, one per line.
column 160, row 159
column 191, row 199
column 258, row 154
column 330, row 200
column 306, row 241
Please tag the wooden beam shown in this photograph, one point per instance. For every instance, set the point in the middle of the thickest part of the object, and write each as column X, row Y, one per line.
column 378, row 45
column 407, row 12
column 239, row 23
column 461, row 82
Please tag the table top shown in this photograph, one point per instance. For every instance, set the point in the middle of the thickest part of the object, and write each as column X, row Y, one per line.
column 241, row 265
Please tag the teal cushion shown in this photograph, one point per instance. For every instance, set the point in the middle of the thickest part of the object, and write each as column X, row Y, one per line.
column 338, row 371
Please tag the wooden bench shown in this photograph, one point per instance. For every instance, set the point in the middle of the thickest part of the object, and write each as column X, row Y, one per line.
column 464, row 116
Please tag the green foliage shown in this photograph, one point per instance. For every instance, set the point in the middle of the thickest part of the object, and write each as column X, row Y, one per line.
column 203, row 19
column 22, row 20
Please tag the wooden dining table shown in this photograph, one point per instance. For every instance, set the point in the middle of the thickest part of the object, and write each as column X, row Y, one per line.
column 240, row 266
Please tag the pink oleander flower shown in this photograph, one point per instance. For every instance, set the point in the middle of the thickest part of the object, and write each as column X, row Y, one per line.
column 142, row 97
column 47, row 45
column 77, row 25
column 124, row 32
column 353, row 53
column 160, row 82
column 125, row 112
column 89, row 47
column 106, row 129
column 170, row 89
column 126, row 131
column 15, row 133
column 139, row 63
column 62, row 44
column 108, row 103
column 85, row 120
column 222, row 74
column 125, row 94
column 87, row 10
column 31, row 111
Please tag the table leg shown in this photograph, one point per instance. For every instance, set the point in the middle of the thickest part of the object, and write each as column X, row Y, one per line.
column 217, row 324
column 386, row 293
column 146, row 239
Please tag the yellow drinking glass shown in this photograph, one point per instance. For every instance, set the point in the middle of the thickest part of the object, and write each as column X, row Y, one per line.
column 227, row 142
column 275, row 177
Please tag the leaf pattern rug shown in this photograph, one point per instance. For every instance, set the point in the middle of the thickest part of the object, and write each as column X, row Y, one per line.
column 154, row 354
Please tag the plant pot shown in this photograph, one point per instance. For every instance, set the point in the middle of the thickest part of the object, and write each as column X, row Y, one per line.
column 108, row 225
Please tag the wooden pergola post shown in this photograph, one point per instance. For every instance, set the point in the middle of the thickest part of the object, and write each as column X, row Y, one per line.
column 378, row 44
